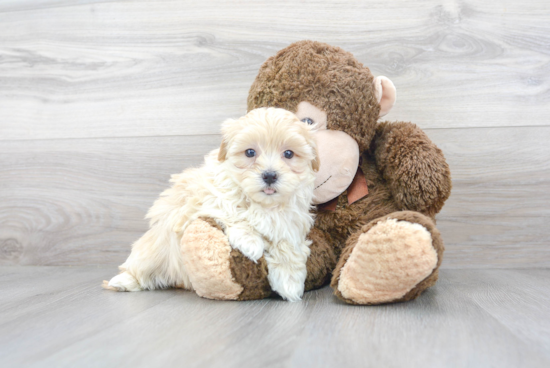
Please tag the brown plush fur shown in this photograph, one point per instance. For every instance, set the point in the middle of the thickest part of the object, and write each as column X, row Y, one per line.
column 321, row 262
column 407, row 176
column 412, row 166
column 252, row 276
column 410, row 216
column 331, row 79
column 403, row 168
column 211, row 222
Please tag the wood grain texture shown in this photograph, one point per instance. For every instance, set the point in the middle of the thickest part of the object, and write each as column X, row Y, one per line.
column 105, row 69
column 100, row 101
column 74, row 201
column 21, row 5
column 82, row 201
column 472, row 318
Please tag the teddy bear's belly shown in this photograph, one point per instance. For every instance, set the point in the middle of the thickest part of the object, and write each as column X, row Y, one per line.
column 348, row 218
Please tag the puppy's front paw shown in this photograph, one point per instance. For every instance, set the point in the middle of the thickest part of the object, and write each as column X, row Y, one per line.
column 250, row 244
column 286, row 265
column 122, row 282
column 288, row 284
column 292, row 291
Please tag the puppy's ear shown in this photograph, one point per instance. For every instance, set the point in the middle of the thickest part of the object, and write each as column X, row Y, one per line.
column 316, row 163
column 227, row 126
column 222, row 154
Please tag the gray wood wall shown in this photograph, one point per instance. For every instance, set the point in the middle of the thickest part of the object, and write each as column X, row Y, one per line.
column 100, row 101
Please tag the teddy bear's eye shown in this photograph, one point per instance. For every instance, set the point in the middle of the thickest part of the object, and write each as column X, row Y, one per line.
column 288, row 154
column 308, row 121
column 250, row 152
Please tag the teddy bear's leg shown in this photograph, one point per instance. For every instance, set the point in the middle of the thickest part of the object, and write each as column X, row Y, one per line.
column 321, row 261
column 391, row 259
column 217, row 271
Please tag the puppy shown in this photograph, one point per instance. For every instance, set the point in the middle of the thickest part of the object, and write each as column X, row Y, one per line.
column 258, row 187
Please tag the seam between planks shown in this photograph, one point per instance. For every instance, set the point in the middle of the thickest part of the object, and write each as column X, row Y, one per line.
column 219, row 134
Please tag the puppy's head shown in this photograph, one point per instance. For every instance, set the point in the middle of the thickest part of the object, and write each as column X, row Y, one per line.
column 270, row 153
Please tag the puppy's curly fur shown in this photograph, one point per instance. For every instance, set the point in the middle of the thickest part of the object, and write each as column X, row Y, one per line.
column 258, row 187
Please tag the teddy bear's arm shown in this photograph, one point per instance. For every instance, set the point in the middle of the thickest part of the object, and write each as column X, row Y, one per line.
column 413, row 166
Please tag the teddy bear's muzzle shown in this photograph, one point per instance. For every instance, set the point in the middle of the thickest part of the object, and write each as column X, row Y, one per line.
column 339, row 158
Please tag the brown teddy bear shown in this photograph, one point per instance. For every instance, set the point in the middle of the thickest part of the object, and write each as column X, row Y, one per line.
column 377, row 191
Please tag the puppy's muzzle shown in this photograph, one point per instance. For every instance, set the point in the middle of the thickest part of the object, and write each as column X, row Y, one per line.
column 269, row 177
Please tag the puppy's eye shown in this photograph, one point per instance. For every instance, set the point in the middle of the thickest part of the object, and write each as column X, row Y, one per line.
column 250, row 152
column 308, row 121
column 288, row 154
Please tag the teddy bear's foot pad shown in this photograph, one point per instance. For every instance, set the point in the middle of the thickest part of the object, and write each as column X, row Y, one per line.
column 388, row 261
column 206, row 252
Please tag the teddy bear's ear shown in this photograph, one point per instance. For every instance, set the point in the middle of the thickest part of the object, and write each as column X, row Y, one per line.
column 385, row 94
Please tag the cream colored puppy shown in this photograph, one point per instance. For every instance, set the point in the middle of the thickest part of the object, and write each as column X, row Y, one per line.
column 258, row 186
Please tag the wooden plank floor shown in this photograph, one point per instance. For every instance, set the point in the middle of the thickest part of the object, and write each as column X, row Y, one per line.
column 60, row 317
column 100, row 101
column 75, row 202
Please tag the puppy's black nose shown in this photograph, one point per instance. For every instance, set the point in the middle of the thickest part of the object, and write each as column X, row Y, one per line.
column 269, row 177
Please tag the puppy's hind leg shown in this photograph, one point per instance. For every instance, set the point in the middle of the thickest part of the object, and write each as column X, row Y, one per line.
column 155, row 263
column 122, row 282
column 125, row 280
column 136, row 271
